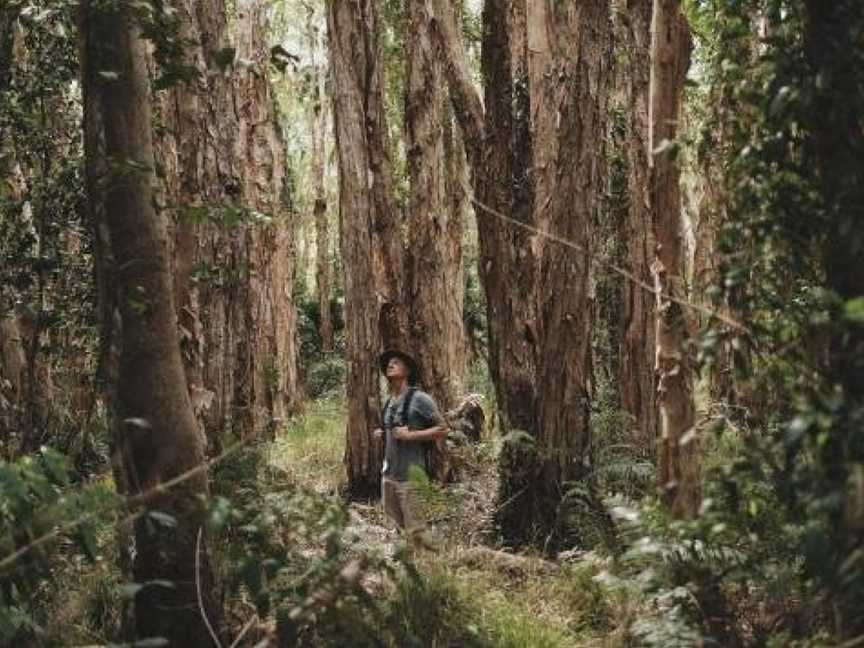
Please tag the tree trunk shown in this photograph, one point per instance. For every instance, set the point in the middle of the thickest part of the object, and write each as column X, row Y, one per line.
column 570, row 50
column 27, row 169
column 305, row 230
column 224, row 168
column 456, row 179
column 319, row 167
column 506, row 263
column 679, row 454
column 436, row 322
column 13, row 377
column 637, row 352
column 157, row 430
column 370, row 240
column 13, row 361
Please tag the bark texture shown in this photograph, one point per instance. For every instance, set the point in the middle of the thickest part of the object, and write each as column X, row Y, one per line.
column 319, row 170
column 157, row 431
column 569, row 54
column 456, row 179
column 223, row 170
column 13, row 378
column 436, row 324
column 370, row 238
column 506, row 264
column 434, row 225
column 678, row 454
column 637, row 351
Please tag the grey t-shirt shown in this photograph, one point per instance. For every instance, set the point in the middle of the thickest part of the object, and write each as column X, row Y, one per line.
column 422, row 414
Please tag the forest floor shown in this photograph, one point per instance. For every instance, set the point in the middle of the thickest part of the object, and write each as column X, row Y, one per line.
column 470, row 593
column 486, row 596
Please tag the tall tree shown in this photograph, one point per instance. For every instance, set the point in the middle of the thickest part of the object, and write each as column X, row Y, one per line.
column 156, row 428
column 530, row 319
column 12, row 359
column 319, row 172
column 678, row 455
column 436, row 325
column 224, row 176
column 507, row 260
column 637, row 382
column 370, row 239
column 570, row 78
column 437, row 335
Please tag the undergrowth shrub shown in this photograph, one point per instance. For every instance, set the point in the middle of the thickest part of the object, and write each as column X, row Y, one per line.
column 325, row 377
column 44, row 522
column 732, row 576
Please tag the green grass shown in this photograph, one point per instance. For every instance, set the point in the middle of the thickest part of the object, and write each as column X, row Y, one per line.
column 476, row 607
column 311, row 447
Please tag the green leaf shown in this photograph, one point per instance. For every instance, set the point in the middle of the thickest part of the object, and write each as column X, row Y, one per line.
column 87, row 539
column 854, row 310
column 55, row 466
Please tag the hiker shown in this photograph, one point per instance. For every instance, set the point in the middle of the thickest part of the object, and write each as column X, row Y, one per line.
column 410, row 418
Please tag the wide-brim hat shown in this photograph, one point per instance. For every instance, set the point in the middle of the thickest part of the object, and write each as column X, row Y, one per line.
column 413, row 367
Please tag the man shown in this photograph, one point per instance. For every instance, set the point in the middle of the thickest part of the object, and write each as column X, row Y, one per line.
column 410, row 419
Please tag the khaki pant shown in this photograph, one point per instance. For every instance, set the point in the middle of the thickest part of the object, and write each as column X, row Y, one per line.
column 400, row 505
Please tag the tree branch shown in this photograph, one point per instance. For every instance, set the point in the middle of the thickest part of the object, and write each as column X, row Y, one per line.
column 463, row 94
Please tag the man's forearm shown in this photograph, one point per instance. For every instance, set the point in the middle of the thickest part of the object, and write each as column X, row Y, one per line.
column 429, row 434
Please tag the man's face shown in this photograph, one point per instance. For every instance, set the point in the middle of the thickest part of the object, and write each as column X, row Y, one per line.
column 397, row 368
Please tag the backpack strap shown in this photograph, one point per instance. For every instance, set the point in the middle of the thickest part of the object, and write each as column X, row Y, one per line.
column 384, row 410
column 406, row 404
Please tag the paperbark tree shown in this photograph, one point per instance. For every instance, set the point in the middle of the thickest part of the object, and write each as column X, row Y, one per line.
column 507, row 261
column 12, row 358
column 637, row 349
column 319, row 170
column 223, row 169
column 678, row 453
column 370, row 240
column 156, row 429
column 569, row 57
column 436, row 325
column 437, row 335
column 33, row 139
column 456, row 179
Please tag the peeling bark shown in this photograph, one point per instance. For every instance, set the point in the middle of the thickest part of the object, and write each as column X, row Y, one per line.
column 319, row 207
column 370, row 240
column 436, row 323
column 637, row 351
column 678, row 453
column 571, row 83
column 497, row 149
column 223, row 161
